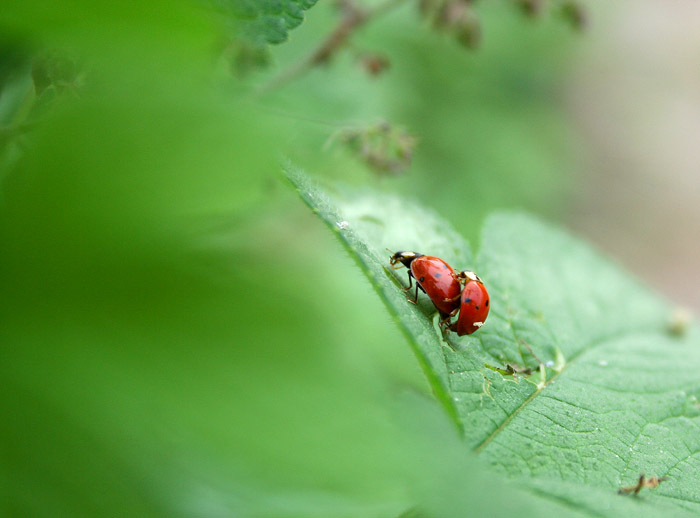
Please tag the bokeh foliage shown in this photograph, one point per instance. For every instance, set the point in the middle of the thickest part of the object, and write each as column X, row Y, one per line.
column 490, row 124
column 159, row 355
column 179, row 337
column 264, row 22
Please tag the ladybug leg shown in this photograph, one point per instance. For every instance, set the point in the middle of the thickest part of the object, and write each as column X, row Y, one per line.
column 410, row 282
column 443, row 332
column 453, row 299
column 446, row 325
column 446, row 320
column 415, row 297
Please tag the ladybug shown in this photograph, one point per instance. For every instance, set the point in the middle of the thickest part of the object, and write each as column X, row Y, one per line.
column 474, row 304
column 434, row 277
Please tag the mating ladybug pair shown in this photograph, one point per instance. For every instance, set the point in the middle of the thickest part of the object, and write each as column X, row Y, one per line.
column 443, row 285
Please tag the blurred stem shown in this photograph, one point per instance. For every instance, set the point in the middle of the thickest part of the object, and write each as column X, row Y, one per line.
column 353, row 17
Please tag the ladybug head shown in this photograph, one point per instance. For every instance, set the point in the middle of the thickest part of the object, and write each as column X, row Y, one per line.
column 468, row 275
column 405, row 258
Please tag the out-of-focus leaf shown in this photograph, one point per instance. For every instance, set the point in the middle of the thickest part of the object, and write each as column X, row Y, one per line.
column 267, row 21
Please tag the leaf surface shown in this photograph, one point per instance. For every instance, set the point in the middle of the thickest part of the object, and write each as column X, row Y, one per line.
column 618, row 395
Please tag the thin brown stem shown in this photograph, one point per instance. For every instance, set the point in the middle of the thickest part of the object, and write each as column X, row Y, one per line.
column 353, row 17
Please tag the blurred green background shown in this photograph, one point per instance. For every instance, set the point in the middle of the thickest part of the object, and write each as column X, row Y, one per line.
column 180, row 337
column 489, row 123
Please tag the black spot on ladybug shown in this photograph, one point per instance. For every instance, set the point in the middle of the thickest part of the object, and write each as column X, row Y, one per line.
column 467, row 300
column 437, row 275
column 422, row 279
column 476, row 307
column 444, row 266
column 487, row 303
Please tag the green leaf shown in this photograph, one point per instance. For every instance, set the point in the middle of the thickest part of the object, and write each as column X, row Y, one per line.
column 366, row 237
column 267, row 21
column 618, row 395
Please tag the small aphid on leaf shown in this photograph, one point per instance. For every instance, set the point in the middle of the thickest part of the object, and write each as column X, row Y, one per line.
column 643, row 482
column 511, row 369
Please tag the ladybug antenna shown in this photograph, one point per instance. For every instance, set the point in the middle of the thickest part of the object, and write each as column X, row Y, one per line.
column 396, row 259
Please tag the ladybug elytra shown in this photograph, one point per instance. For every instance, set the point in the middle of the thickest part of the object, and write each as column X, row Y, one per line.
column 433, row 276
column 474, row 304
column 443, row 285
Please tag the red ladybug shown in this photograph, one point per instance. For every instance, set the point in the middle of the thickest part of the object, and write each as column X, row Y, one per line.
column 474, row 304
column 434, row 277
